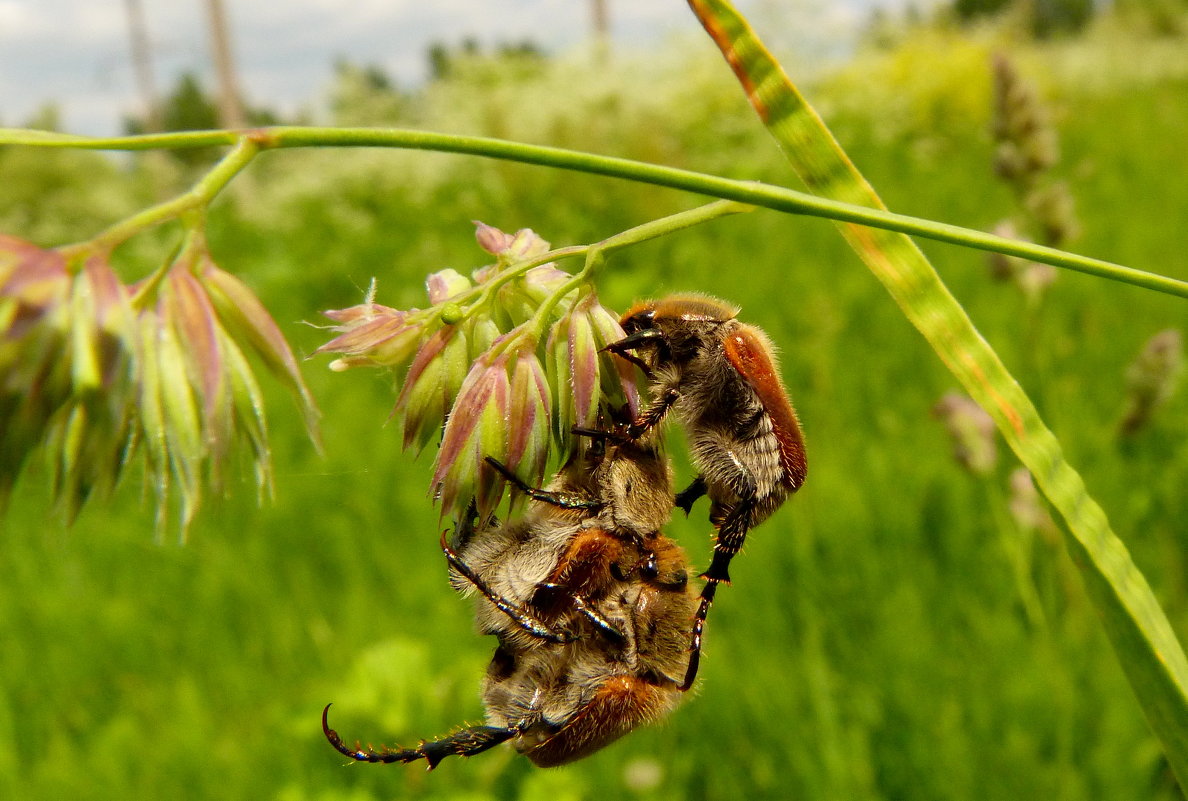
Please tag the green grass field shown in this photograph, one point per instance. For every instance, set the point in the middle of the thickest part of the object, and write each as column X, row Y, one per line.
column 891, row 633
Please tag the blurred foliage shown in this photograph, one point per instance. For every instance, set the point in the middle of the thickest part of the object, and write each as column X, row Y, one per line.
column 892, row 633
column 189, row 107
column 1043, row 18
column 1162, row 17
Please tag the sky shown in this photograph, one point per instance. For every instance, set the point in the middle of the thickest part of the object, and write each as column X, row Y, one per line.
column 75, row 53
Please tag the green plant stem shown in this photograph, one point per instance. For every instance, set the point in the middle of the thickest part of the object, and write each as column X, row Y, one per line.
column 747, row 192
column 195, row 200
column 596, row 253
column 513, row 271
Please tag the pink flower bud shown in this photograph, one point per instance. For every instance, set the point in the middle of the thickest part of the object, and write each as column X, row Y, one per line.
column 574, row 371
column 476, row 428
column 381, row 338
column 526, row 244
column 618, row 375
column 490, row 238
column 528, row 417
column 444, row 285
column 541, row 282
column 431, row 383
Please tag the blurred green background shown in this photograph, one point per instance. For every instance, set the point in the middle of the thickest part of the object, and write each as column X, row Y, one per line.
column 892, row 633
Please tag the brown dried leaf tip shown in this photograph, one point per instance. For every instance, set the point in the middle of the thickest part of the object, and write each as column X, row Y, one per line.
column 95, row 372
column 502, row 364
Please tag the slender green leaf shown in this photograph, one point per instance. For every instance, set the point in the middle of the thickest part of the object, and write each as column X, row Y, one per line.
column 1139, row 630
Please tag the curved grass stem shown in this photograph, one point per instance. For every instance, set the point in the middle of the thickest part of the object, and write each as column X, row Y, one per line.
column 746, row 192
column 193, row 201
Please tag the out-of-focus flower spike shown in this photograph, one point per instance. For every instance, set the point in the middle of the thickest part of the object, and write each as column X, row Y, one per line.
column 972, row 431
column 247, row 321
column 35, row 379
column 618, row 375
column 29, row 272
column 35, row 293
column 183, row 429
column 100, row 426
column 1152, row 379
column 248, row 401
column 151, row 415
column 116, row 322
column 64, row 440
column 110, row 439
column 84, row 340
column 196, row 324
column 444, row 285
column 1027, row 507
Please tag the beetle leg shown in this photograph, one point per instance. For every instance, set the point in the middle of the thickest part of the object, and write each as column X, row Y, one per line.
column 707, row 598
column 652, row 416
column 624, row 346
column 690, row 494
column 561, row 499
column 463, row 742
column 732, row 532
column 587, row 610
column 523, row 619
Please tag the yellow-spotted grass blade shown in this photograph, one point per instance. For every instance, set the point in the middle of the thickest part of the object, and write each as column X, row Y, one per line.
column 1143, row 640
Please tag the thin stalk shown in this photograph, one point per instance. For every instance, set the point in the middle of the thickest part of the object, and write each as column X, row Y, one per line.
column 747, row 192
column 596, row 253
column 196, row 199
column 487, row 290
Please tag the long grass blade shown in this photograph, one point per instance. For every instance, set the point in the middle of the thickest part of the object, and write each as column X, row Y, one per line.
column 1143, row 640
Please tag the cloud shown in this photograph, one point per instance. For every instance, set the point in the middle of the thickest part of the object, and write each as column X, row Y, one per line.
column 75, row 52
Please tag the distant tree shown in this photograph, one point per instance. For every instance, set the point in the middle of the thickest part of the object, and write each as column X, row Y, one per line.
column 445, row 61
column 1164, row 17
column 366, row 95
column 1052, row 17
column 973, row 9
column 441, row 63
column 190, row 108
column 1045, row 17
